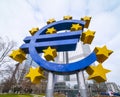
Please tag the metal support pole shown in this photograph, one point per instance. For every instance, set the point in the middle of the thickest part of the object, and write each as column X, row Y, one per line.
column 50, row 85
column 66, row 60
column 65, row 57
column 81, row 84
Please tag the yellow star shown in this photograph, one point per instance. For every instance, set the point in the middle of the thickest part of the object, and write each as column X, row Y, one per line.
column 33, row 30
column 87, row 36
column 35, row 75
column 51, row 30
column 102, row 53
column 67, row 17
column 90, row 69
column 18, row 55
column 51, row 21
column 98, row 73
column 76, row 27
column 87, row 20
column 50, row 54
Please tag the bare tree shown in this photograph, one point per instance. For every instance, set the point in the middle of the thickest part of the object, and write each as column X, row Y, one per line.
column 6, row 46
column 7, row 80
column 6, row 69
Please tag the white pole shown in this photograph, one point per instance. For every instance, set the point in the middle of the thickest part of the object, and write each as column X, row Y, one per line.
column 65, row 61
column 81, row 84
column 50, row 85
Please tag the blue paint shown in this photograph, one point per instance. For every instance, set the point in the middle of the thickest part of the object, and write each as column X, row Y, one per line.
column 57, row 36
column 62, row 42
column 62, row 68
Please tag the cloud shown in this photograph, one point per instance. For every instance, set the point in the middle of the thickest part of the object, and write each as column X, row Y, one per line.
column 106, row 27
column 49, row 8
column 100, row 6
column 113, row 64
column 16, row 20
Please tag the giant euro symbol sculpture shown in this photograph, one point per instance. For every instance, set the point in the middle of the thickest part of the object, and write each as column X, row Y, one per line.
column 48, row 41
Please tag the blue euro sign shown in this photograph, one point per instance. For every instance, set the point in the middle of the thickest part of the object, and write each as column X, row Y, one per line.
column 65, row 41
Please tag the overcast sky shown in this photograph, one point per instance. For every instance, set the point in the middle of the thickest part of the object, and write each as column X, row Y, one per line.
column 17, row 17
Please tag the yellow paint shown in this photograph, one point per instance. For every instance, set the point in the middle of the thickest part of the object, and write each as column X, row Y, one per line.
column 51, row 21
column 102, row 53
column 50, row 54
column 51, row 30
column 33, row 30
column 87, row 37
column 90, row 69
column 18, row 55
column 87, row 20
column 76, row 27
column 98, row 73
column 35, row 75
column 67, row 17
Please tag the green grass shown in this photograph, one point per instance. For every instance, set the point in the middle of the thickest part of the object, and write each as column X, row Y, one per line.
column 37, row 95
column 14, row 95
